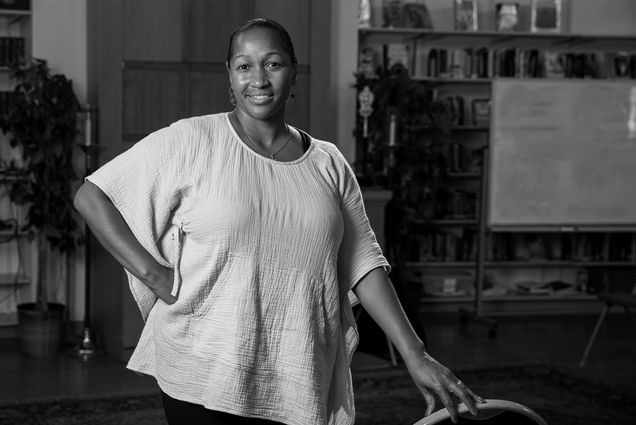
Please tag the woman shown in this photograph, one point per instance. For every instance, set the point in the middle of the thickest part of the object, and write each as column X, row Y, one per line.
column 243, row 239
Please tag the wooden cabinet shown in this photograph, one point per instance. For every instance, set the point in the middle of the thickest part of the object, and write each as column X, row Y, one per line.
column 522, row 271
column 152, row 63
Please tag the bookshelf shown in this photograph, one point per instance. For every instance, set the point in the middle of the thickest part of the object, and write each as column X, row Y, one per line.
column 440, row 38
column 445, row 260
column 16, row 250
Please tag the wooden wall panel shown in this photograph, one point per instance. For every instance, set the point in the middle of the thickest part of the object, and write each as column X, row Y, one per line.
column 322, row 107
column 295, row 17
column 115, row 317
column 209, row 91
column 152, row 99
column 173, row 53
column 297, row 111
column 210, row 23
column 153, row 30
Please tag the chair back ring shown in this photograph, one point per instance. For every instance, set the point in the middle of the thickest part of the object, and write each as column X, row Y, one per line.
column 493, row 411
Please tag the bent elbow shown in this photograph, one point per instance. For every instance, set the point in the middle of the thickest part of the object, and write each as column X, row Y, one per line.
column 78, row 199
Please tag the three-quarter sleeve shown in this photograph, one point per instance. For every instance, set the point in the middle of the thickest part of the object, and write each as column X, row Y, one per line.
column 359, row 251
column 145, row 183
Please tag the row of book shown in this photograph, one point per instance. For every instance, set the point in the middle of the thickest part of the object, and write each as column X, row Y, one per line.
column 463, row 112
column 446, row 246
column 521, row 63
column 421, row 60
column 12, row 50
column 461, row 245
column 456, row 204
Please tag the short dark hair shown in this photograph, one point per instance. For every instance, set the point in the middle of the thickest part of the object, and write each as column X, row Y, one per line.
column 267, row 24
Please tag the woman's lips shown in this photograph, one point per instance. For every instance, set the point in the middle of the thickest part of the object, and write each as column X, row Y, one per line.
column 260, row 98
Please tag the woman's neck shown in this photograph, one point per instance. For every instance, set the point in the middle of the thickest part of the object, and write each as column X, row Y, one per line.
column 264, row 132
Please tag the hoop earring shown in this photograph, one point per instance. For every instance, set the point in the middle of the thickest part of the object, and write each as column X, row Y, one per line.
column 232, row 97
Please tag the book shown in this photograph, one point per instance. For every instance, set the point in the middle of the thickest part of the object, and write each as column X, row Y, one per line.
column 507, row 17
column 480, row 109
column 545, row 16
column 465, row 12
column 621, row 65
column 554, row 63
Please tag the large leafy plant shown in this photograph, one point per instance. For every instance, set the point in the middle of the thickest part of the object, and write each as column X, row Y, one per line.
column 41, row 121
column 412, row 168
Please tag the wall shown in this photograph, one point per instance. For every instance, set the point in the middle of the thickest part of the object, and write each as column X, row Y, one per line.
column 59, row 36
column 344, row 47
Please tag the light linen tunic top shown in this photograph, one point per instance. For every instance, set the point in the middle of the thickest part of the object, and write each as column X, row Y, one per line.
column 265, row 254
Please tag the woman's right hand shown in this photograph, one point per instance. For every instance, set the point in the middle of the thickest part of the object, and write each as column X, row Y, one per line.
column 112, row 231
column 161, row 284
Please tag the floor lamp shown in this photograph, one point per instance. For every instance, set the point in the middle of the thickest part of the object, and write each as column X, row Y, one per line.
column 87, row 347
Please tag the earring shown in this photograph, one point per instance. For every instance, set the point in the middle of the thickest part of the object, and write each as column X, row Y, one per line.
column 232, row 97
column 291, row 97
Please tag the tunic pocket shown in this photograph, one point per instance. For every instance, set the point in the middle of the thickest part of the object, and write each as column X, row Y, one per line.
column 203, row 301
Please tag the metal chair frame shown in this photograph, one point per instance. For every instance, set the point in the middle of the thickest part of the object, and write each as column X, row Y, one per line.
column 490, row 409
column 626, row 301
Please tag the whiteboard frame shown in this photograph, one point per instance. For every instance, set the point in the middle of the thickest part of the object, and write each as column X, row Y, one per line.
column 564, row 227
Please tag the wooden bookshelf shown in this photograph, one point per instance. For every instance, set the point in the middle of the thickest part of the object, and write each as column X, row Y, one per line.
column 501, row 40
column 444, row 234
column 518, row 264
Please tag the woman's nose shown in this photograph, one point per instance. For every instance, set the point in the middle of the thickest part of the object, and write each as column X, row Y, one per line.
column 258, row 77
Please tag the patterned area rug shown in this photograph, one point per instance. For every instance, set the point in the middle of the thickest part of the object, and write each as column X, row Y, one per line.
column 561, row 397
column 386, row 397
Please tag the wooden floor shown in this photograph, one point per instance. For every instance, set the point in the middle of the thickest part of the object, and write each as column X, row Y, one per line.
column 520, row 339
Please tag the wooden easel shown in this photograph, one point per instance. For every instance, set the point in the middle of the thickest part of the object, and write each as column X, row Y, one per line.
column 476, row 314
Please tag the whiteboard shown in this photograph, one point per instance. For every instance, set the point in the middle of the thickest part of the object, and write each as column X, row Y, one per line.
column 562, row 155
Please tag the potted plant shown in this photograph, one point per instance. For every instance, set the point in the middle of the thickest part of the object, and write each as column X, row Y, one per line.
column 41, row 121
column 411, row 167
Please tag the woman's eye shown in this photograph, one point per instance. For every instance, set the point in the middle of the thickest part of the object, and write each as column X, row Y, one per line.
column 242, row 67
column 273, row 65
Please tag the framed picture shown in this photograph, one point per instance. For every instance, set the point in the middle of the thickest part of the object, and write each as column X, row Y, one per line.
column 392, row 13
column 481, row 111
column 364, row 14
column 545, row 16
column 507, row 17
column 416, row 15
column 465, row 15
column 397, row 55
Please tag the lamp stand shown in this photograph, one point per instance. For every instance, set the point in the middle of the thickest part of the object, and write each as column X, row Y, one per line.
column 87, row 347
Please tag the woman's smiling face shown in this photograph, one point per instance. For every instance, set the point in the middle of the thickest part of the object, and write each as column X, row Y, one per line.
column 261, row 73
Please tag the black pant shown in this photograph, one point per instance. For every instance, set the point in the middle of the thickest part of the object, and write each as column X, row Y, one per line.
column 183, row 413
